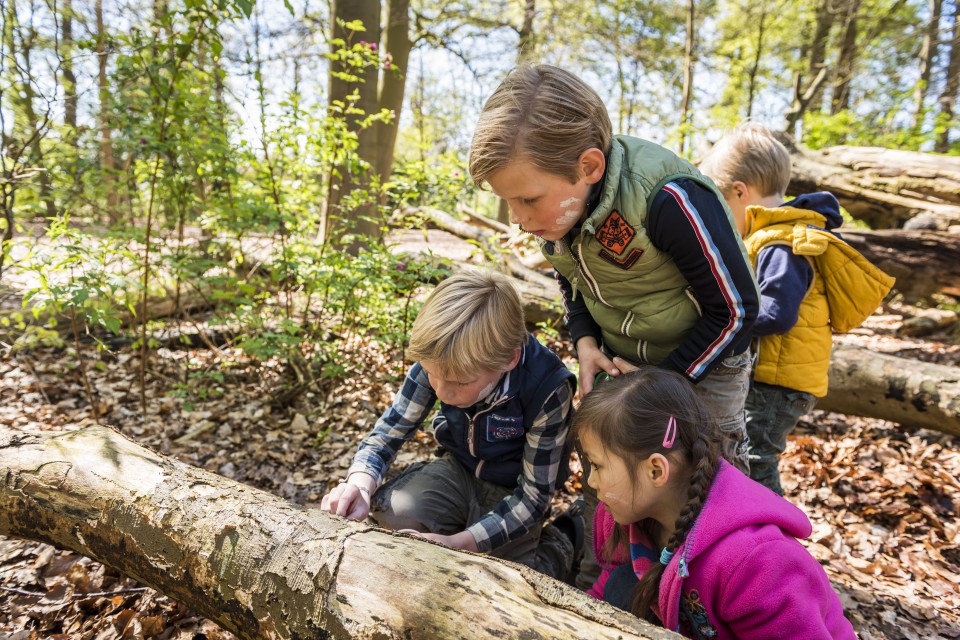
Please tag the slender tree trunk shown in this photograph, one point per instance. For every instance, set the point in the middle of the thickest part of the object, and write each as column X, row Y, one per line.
column 757, row 56
column 948, row 98
column 69, row 77
column 107, row 164
column 24, row 97
column 846, row 59
column 689, row 60
column 343, row 180
column 396, row 44
column 808, row 93
column 928, row 53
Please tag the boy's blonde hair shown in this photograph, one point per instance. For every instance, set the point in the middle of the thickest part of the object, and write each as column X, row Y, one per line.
column 749, row 154
column 471, row 323
column 543, row 115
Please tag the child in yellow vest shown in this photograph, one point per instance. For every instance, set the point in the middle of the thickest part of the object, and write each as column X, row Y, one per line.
column 811, row 283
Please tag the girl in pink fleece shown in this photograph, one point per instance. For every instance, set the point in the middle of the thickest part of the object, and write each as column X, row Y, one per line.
column 683, row 537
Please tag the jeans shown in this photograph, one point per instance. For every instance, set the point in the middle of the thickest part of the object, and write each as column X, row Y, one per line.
column 772, row 413
column 724, row 392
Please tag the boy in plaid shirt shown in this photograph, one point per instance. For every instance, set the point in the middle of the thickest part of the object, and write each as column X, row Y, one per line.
column 505, row 406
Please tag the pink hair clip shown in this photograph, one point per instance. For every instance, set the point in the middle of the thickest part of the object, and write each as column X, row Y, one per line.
column 671, row 433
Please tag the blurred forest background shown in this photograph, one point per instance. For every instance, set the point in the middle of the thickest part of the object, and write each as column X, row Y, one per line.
column 250, row 157
column 214, row 236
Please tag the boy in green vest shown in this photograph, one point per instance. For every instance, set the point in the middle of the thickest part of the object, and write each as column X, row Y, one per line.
column 811, row 283
column 650, row 265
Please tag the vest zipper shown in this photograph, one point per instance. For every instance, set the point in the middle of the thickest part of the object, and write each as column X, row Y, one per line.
column 594, row 287
column 472, row 432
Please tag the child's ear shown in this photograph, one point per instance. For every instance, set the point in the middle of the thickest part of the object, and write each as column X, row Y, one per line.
column 592, row 164
column 658, row 469
column 740, row 190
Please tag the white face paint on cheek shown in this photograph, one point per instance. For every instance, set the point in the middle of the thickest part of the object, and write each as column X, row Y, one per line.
column 571, row 212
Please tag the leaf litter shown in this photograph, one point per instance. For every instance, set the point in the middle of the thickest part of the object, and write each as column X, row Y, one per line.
column 884, row 500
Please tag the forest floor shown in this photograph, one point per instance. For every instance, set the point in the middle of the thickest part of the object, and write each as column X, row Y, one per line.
column 884, row 500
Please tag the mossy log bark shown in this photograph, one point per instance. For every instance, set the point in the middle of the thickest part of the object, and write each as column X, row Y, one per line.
column 262, row 567
column 882, row 187
column 876, row 385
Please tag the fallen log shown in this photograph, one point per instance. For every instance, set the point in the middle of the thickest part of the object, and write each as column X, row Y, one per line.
column 262, row 567
column 540, row 293
column 923, row 262
column 910, row 392
column 883, row 187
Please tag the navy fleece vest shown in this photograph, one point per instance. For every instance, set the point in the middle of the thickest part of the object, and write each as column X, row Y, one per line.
column 490, row 442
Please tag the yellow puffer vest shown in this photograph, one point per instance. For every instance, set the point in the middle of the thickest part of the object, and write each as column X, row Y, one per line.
column 635, row 292
column 846, row 289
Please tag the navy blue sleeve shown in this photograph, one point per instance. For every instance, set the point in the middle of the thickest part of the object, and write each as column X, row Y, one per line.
column 576, row 316
column 687, row 221
column 784, row 280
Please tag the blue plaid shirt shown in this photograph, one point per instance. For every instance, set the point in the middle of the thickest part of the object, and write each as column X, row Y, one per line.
column 543, row 450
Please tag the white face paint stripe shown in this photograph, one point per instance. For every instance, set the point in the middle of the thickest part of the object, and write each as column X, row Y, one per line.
column 571, row 212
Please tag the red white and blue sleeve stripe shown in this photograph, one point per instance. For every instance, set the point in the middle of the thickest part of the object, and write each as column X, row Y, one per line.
column 687, row 221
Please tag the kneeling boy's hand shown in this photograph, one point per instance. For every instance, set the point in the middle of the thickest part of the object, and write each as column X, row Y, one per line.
column 349, row 500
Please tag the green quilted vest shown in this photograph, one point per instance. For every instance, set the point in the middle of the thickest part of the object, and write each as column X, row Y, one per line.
column 635, row 292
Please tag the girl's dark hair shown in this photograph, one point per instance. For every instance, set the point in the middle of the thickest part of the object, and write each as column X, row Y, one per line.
column 629, row 415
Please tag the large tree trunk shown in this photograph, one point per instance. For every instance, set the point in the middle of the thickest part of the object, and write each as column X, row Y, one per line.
column 923, row 262
column 882, row 187
column 344, row 178
column 262, row 567
column 393, row 82
column 876, row 385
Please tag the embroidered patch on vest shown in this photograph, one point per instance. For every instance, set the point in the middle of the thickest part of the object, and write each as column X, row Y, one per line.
column 501, row 428
column 615, row 234
column 627, row 262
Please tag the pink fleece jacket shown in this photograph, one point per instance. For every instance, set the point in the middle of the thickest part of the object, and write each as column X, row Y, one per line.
column 741, row 573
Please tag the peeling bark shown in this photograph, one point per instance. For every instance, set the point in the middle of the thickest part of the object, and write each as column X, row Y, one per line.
column 882, row 187
column 876, row 385
column 262, row 567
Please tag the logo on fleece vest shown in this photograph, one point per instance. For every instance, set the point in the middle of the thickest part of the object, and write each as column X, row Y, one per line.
column 696, row 616
column 501, row 428
column 614, row 235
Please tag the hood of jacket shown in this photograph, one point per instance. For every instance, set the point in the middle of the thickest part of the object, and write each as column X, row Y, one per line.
column 734, row 504
column 821, row 209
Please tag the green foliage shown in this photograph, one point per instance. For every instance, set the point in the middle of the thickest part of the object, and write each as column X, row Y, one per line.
column 441, row 182
column 82, row 281
column 824, row 130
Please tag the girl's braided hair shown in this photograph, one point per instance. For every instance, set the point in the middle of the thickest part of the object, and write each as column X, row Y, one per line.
column 629, row 415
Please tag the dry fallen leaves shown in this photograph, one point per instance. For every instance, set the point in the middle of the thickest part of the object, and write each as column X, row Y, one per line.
column 884, row 501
